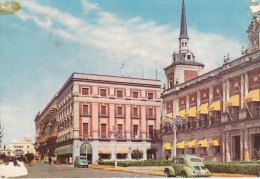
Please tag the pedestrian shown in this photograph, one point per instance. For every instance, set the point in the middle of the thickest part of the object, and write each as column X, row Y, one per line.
column 70, row 160
column 50, row 160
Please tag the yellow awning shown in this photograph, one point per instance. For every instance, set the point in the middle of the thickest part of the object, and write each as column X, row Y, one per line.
column 215, row 106
column 105, row 150
column 233, row 101
column 253, row 95
column 190, row 144
column 215, row 141
column 202, row 143
column 191, row 112
column 167, row 146
column 120, row 149
column 203, row 109
column 181, row 113
column 180, row 145
column 168, row 117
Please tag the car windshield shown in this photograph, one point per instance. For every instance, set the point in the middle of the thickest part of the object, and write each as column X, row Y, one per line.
column 195, row 160
column 82, row 158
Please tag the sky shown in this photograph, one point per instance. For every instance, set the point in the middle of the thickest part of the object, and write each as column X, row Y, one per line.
column 46, row 41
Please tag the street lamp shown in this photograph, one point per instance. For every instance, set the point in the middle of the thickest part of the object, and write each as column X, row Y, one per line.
column 87, row 141
column 175, row 122
column 116, row 133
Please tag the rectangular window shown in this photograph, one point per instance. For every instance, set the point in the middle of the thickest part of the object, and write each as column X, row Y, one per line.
column 103, row 130
column 135, row 94
column 120, row 128
column 120, row 111
column 135, row 112
column 103, row 110
column 85, row 91
column 135, row 131
column 85, row 110
column 150, row 95
column 103, row 92
column 150, row 112
column 217, row 150
column 150, row 131
column 119, row 94
column 85, row 129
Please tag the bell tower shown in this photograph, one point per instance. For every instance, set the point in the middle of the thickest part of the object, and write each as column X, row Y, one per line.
column 183, row 67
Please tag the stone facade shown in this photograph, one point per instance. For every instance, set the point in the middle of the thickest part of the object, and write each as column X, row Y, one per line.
column 218, row 112
column 91, row 110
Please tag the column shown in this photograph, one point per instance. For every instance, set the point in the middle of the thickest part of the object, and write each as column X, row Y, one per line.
column 95, row 122
column 242, row 91
column 246, row 145
column 75, row 119
column 128, row 124
column 246, row 84
column 227, row 147
column 224, row 96
column 76, row 149
column 223, row 144
column 143, row 123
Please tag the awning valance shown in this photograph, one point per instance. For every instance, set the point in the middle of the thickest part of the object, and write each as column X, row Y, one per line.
column 120, row 149
column 203, row 109
column 202, row 143
column 215, row 106
column 67, row 149
column 233, row 101
column 190, row 144
column 253, row 95
column 215, row 141
column 181, row 113
column 168, row 117
column 105, row 150
column 167, row 146
column 180, row 145
column 191, row 112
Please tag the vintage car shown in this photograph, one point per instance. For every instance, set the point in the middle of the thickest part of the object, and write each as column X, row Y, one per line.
column 187, row 166
column 81, row 161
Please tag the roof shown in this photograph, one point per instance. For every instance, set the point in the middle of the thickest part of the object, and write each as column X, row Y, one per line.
column 186, row 62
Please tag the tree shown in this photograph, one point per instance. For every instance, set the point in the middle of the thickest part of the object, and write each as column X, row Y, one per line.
column 137, row 154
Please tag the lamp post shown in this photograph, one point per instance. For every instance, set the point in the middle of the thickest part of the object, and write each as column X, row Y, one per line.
column 87, row 141
column 175, row 122
column 116, row 133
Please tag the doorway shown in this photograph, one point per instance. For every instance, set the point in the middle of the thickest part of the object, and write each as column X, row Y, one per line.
column 236, row 148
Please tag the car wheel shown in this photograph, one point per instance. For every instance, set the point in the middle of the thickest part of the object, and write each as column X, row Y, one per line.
column 167, row 173
column 183, row 175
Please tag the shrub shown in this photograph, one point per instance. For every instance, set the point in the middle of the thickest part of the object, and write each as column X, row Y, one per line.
column 138, row 163
column 234, row 167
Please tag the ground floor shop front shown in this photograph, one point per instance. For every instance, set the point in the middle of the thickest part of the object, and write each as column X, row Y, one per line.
column 95, row 150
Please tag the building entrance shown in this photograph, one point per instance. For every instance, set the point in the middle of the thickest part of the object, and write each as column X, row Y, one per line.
column 236, row 148
column 256, row 146
column 86, row 149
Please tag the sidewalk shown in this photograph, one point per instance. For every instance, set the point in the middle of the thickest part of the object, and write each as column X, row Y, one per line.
column 158, row 171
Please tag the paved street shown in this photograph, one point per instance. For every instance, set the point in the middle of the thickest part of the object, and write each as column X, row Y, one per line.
column 68, row 171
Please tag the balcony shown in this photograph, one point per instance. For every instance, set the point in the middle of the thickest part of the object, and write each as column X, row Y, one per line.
column 255, row 112
column 152, row 117
column 86, row 114
column 120, row 115
column 136, row 116
column 103, row 114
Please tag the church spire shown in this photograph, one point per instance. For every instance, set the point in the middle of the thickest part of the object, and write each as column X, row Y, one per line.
column 183, row 31
column 183, row 39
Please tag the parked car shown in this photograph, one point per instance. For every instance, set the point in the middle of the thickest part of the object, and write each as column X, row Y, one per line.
column 81, row 161
column 187, row 166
